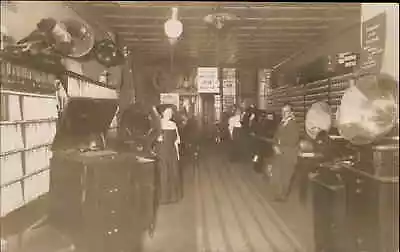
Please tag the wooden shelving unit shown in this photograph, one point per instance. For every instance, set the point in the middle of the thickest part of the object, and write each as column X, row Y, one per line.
column 302, row 97
column 28, row 122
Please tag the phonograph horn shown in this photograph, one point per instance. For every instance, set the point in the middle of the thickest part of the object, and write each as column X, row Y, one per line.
column 318, row 118
column 368, row 109
column 82, row 38
column 69, row 38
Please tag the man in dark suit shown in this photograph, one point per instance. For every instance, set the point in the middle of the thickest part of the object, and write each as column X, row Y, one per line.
column 286, row 151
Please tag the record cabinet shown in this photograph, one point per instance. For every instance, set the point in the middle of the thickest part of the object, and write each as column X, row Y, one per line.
column 104, row 199
column 329, row 211
column 373, row 206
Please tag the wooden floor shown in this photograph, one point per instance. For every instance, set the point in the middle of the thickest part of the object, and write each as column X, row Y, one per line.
column 223, row 211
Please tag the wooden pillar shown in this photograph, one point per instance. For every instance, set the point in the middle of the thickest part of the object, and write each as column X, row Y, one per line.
column 263, row 87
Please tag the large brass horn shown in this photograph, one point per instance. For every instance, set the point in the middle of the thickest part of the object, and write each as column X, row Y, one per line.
column 318, row 118
column 70, row 38
column 368, row 109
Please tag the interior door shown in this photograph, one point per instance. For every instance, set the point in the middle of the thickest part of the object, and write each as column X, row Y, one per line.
column 208, row 115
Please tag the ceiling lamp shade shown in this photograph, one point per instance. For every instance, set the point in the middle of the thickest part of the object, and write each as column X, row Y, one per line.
column 173, row 28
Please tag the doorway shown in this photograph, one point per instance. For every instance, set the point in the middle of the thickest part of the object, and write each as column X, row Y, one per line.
column 208, row 113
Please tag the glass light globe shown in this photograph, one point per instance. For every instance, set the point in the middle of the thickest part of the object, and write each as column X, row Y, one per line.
column 173, row 28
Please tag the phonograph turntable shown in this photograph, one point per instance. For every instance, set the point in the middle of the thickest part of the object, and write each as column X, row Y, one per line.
column 356, row 186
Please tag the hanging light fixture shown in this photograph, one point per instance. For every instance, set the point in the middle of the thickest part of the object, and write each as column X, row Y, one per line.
column 219, row 20
column 173, row 28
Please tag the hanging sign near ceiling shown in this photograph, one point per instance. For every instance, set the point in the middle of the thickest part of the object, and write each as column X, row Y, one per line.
column 207, row 80
column 373, row 44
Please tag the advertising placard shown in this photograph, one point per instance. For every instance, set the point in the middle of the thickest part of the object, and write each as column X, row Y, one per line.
column 207, row 80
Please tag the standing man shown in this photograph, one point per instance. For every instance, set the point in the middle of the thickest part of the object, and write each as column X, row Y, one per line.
column 286, row 150
column 236, row 134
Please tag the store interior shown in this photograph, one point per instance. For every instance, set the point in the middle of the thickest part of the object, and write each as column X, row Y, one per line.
column 71, row 69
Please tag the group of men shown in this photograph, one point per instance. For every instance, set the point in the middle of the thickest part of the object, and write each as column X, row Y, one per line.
column 271, row 143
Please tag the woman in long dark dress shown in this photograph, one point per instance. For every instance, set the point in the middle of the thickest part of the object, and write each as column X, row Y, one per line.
column 170, row 180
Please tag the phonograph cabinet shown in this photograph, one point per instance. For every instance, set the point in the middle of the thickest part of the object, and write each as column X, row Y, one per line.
column 103, row 199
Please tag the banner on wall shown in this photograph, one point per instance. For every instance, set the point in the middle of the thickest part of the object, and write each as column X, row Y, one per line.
column 170, row 98
column 373, row 44
column 264, row 87
column 207, row 80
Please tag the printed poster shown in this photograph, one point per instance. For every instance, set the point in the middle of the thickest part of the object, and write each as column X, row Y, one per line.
column 207, row 80
column 373, row 44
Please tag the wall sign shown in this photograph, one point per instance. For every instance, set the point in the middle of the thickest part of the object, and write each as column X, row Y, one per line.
column 207, row 80
column 373, row 44
column 10, row 5
column 170, row 98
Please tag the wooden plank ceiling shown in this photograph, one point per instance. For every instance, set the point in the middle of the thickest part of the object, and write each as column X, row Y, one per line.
column 264, row 32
